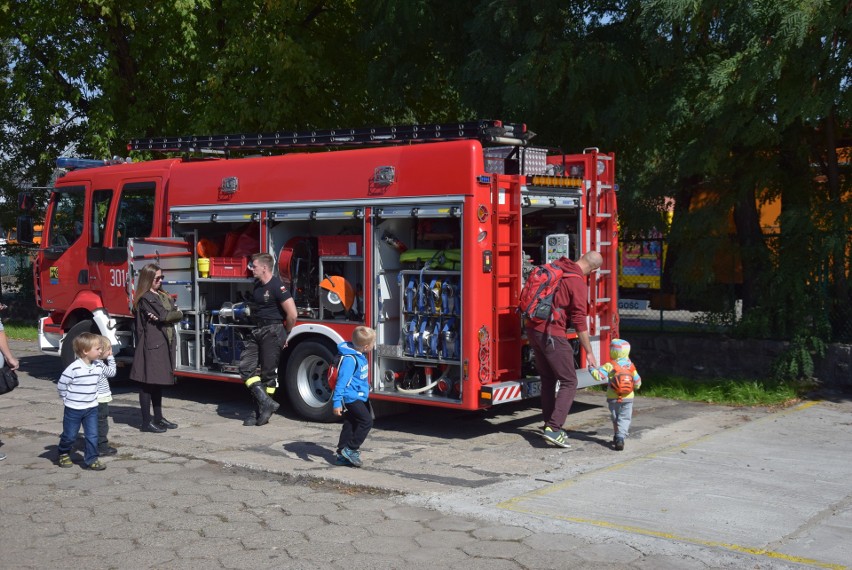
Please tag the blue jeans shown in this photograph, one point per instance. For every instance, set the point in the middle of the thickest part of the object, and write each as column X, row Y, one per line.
column 71, row 422
column 621, row 413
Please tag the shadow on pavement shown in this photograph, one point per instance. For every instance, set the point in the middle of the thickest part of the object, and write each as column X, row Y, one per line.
column 310, row 451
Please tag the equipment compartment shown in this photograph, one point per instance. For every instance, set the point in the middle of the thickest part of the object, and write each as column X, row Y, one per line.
column 419, row 312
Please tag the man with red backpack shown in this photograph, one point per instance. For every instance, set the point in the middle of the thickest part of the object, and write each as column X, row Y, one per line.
column 554, row 354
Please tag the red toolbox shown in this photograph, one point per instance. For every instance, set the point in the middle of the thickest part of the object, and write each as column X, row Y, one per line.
column 229, row 267
column 339, row 245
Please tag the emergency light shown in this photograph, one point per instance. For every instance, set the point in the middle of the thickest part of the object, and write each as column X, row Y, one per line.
column 72, row 163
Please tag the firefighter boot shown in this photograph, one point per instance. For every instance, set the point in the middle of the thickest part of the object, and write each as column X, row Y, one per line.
column 251, row 420
column 266, row 405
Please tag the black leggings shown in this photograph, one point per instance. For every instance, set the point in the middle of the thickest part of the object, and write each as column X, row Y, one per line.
column 151, row 394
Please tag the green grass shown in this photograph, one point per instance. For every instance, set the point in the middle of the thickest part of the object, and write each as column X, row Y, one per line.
column 20, row 331
column 730, row 392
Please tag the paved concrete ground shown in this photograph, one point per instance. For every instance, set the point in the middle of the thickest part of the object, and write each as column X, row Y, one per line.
column 698, row 486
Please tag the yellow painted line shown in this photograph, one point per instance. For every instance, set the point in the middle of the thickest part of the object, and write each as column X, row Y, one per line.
column 514, row 505
column 672, row 536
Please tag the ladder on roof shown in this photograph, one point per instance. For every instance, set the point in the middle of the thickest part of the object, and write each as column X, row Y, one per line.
column 486, row 131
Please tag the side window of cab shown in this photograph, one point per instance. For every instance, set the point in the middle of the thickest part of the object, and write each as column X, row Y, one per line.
column 135, row 212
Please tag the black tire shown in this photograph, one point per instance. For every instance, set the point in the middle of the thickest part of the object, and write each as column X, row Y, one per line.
column 306, row 381
column 67, row 354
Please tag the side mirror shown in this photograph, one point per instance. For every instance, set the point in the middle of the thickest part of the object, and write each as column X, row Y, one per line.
column 25, row 229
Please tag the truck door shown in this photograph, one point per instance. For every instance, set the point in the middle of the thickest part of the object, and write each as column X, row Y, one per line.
column 99, row 210
column 63, row 272
column 131, row 216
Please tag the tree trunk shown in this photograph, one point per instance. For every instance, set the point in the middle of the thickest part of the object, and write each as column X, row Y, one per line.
column 683, row 200
column 798, row 259
column 754, row 254
column 841, row 312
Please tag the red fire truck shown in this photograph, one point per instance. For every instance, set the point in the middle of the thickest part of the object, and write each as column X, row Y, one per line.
column 424, row 233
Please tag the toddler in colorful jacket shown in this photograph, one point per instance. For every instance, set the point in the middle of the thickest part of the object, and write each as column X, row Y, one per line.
column 622, row 379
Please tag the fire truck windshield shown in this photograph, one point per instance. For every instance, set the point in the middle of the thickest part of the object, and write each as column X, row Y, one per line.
column 65, row 220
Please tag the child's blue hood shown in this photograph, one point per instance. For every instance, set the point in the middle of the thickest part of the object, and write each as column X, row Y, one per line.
column 347, row 348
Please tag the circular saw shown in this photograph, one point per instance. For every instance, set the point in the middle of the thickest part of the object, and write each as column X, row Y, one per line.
column 336, row 294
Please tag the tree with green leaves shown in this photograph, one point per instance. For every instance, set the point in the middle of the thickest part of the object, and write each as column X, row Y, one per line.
column 712, row 106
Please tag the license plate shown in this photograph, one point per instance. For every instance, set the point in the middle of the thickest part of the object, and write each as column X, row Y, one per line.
column 532, row 389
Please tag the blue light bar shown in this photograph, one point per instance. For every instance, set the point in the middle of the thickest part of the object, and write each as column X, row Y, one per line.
column 70, row 163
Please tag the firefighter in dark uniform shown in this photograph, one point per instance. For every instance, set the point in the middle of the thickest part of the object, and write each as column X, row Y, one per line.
column 274, row 315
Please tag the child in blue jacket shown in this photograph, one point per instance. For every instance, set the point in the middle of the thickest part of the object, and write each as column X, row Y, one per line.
column 351, row 395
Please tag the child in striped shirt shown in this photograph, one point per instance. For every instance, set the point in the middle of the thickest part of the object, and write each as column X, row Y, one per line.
column 78, row 388
column 107, row 367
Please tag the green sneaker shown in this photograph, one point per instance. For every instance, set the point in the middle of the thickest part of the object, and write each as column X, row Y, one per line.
column 65, row 461
column 557, row 437
column 97, row 465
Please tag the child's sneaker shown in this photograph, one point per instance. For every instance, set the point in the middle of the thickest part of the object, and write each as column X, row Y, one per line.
column 340, row 460
column 97, row 465
column 557, row 437
column 353, row 456
column 65, row 461
column 618, row 444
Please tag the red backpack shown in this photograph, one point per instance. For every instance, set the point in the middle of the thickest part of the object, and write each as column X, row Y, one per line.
column 334, row 370
column 536, row 299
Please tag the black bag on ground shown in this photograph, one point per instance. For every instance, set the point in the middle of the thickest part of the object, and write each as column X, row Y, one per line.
column 8, row 379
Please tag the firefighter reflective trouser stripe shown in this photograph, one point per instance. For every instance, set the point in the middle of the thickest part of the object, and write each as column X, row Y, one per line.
column 266, row 406
column 268, row 388
column 263, row 348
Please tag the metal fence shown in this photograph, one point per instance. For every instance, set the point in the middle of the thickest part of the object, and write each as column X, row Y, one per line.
column 8, row 266
column 642, row 306
column 713, row 307
column 12, row 262
column 638, row 315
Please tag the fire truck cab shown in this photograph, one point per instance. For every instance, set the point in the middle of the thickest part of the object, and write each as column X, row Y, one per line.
column 424, row 233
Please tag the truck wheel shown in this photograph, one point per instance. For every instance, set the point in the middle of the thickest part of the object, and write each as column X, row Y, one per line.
column 307, row 381
column 67, row 354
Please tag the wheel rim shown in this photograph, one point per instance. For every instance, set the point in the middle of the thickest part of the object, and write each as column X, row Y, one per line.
column 312, row 381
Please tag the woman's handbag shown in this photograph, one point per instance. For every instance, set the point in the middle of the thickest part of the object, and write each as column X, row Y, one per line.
column 8, row 379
